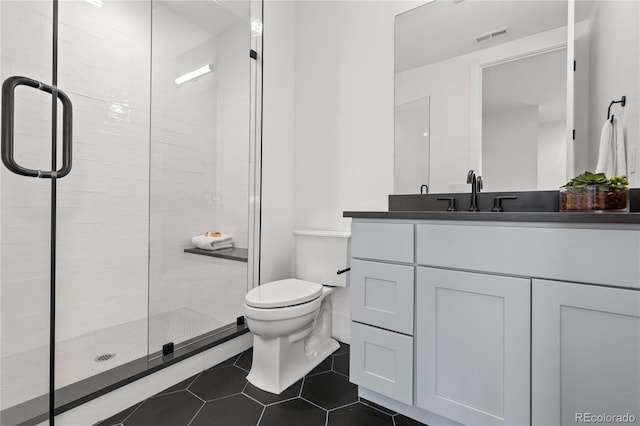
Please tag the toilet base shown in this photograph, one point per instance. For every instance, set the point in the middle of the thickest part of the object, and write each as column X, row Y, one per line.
column 279, row 363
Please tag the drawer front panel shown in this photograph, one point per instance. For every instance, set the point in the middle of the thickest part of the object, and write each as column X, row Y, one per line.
column 382, row 361
column 571, row 254
column 382, row 241
column 382, row 295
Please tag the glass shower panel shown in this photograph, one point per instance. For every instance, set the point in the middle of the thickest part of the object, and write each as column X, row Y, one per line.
column 199, row 168
column 25, row 204
column 103, row 204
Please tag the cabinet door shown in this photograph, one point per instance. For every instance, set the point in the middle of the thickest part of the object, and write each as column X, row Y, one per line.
column 586, row 354
column 382, row 361
column 382, row 295
column 472, row 341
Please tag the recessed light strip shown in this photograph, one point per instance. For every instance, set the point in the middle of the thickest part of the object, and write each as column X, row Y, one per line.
column 194, row 74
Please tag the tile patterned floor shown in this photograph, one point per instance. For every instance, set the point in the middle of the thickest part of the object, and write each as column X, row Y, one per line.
column 221, row 396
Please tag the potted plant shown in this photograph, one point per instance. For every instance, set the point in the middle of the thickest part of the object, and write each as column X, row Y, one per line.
column 614, row 195
column 593, row 191
column 579, row 192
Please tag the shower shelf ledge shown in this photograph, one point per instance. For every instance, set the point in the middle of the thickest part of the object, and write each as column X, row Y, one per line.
column 238, row 254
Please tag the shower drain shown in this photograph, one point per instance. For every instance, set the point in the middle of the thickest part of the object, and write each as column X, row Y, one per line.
column 104, row 357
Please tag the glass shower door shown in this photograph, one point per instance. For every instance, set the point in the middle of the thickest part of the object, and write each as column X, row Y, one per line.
column 200, row 138
column 25, row 203
column 103, row 205
column 98, row 53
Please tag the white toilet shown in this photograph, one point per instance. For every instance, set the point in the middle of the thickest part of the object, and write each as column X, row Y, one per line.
column 291, row 318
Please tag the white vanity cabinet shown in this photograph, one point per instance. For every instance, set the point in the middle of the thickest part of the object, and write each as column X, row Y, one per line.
column 472, row 346
column 586, row 353
column 497, row 323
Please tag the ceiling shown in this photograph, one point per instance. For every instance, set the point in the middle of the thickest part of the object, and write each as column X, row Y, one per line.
column 444, row 29
column 212, row 16
column 535, row 81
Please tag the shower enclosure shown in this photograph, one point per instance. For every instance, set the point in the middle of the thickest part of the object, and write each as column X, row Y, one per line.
column 128, row 127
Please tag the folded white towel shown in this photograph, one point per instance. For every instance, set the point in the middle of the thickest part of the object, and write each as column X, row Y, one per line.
column 206, row 246
column 210, row 240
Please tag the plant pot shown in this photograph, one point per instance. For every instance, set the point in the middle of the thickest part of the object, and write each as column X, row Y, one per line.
column 573, row 198
column 607, row 200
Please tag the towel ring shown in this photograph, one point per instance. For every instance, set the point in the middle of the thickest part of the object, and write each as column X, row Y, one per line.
column 622, row 102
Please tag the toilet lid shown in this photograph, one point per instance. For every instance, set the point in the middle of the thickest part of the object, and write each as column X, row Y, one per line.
column 278, row 294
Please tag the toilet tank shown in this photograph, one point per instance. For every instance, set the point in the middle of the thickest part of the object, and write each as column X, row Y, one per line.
column 320, row 254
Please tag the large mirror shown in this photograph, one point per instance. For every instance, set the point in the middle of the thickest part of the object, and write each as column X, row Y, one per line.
column 500, row 80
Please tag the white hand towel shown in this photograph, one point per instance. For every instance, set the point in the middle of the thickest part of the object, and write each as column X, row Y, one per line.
column 606, row 154
column 210, row 240
column 206, row 246
column 620, row 149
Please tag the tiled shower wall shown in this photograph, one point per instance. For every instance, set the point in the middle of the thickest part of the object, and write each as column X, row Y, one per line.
column 199, row 165
column 103, row 205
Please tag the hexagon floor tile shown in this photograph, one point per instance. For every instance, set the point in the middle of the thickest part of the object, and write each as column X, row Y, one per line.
column 329, row 390
column 237, row 410
column 294, row 412
column 359, row 414
column 173, row 409
column 325, row 397
column 216, row 383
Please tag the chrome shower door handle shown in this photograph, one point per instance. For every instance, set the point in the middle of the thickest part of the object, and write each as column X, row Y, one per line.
column 8, row 100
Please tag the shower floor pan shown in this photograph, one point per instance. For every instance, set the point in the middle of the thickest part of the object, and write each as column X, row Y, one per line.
column 25, row 375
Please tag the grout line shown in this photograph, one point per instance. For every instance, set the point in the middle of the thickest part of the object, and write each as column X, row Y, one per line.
column 304, row 378
column 223, row 397
column 253, row 399
column 326, row 419
column 261, row 415
column 343, row 406
column 195, row 395
column 284, row 400
column 375, row 408
column 168, row 393
column 343, row 375
column 196, row 413
column 194, row 379
column 134, row 410
column 313, row 403
column 237, row 366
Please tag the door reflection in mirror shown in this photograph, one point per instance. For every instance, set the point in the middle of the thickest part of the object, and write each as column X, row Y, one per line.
column 411, row 161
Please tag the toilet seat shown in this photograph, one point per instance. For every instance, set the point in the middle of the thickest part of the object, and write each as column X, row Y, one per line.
column 283, row 293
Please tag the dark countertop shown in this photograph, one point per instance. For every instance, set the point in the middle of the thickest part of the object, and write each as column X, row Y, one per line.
column 557, row 217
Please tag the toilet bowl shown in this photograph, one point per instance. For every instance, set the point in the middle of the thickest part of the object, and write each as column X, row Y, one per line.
column 289, row 340
column 291, row 318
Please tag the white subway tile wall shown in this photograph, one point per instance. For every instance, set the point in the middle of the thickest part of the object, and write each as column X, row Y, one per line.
column 154, row 164
column 199, row 160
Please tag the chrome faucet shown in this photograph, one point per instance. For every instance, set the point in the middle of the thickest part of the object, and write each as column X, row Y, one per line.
column 476, row 186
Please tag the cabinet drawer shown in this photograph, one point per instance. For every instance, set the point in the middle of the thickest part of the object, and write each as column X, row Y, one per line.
column 382, row 361
column 382, row 241
column 533, row 251
column 382, row 295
